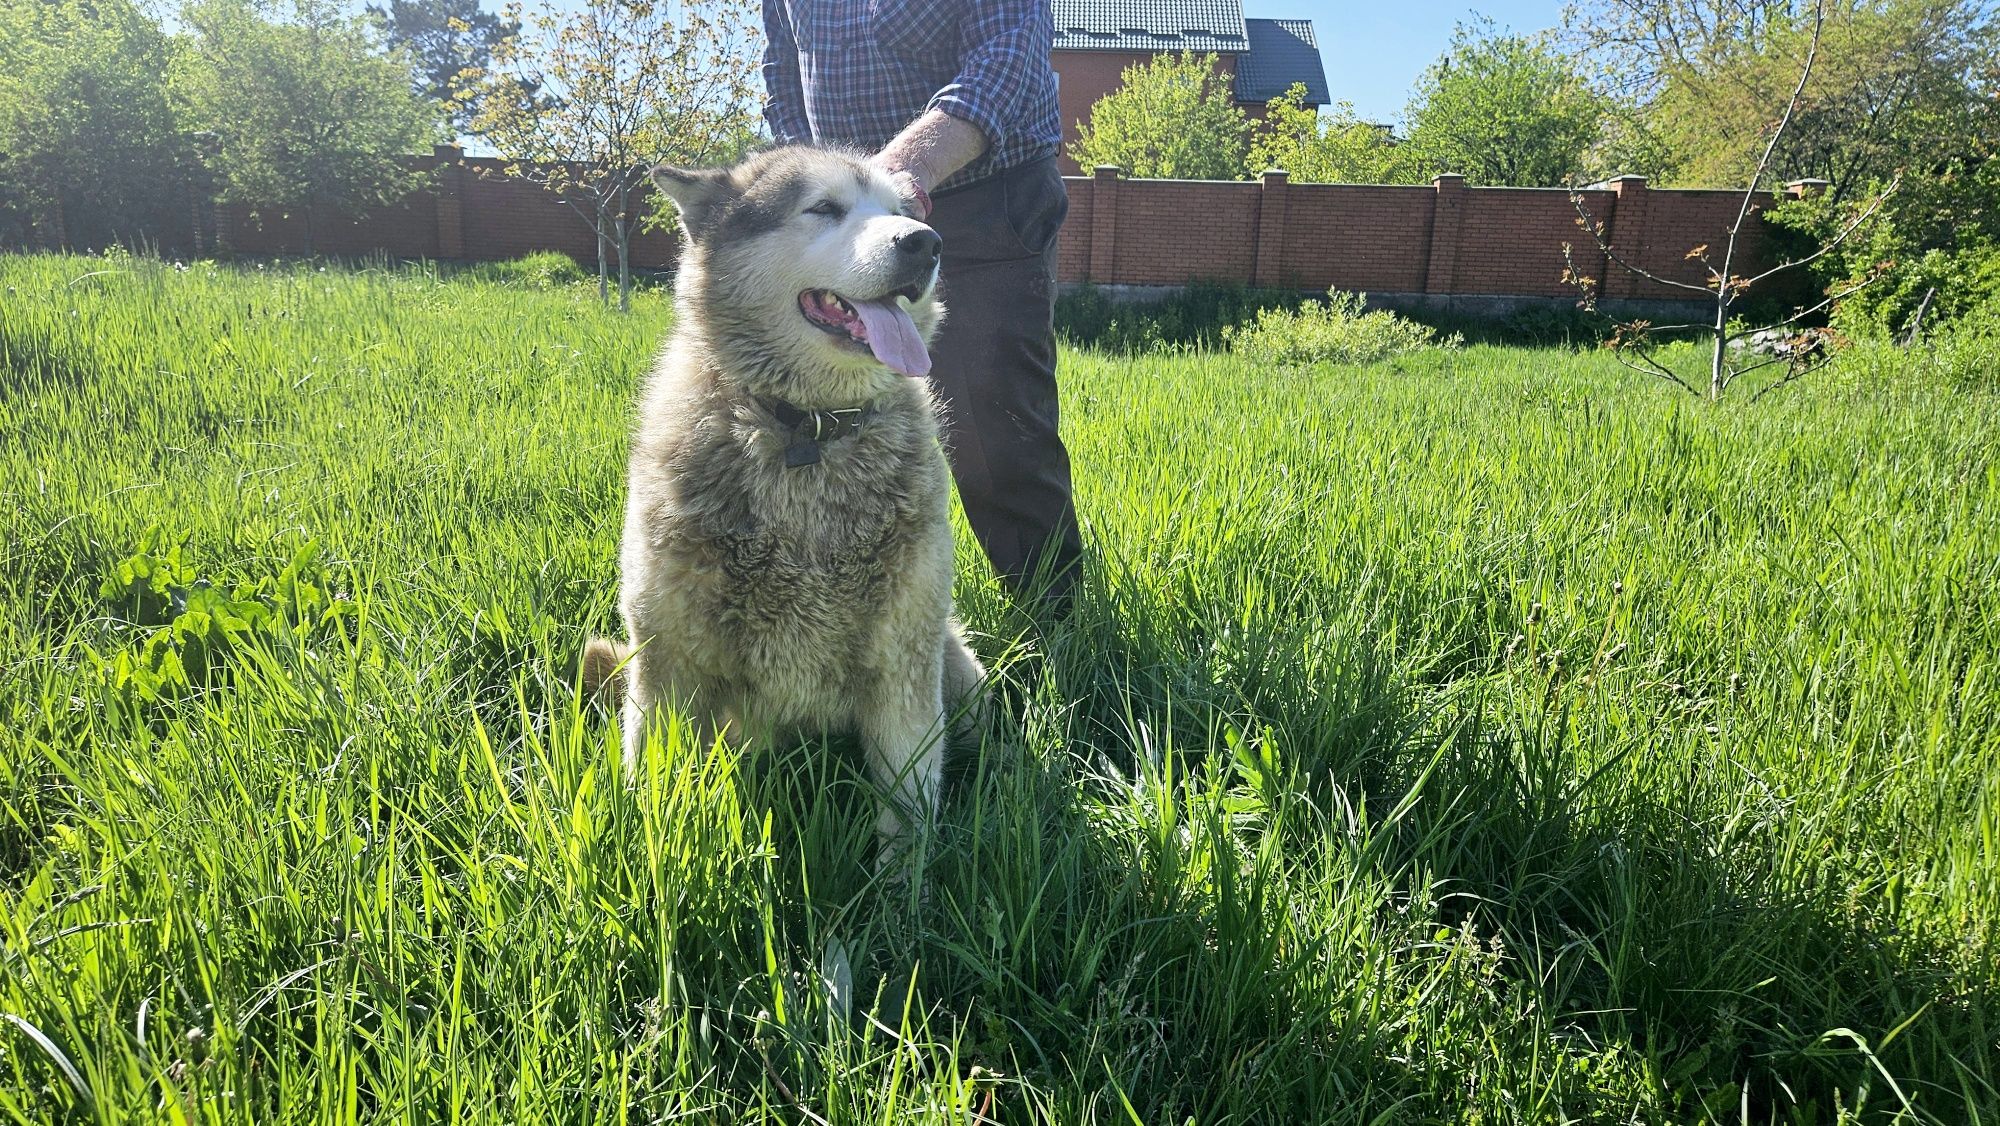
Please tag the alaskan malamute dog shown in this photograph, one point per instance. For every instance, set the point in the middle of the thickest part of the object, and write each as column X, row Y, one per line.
column 787, row 557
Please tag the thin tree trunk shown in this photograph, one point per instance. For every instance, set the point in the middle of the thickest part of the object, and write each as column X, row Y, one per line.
column 1719, row 360
column 1917, row 322
column 624, row 266
column 603, row 272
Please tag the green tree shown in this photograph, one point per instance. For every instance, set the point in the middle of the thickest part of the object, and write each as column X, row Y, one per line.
column 88, row 149
column 444, row 39
column 623, row 85
column 1897, row 83
column 304, row 113
column 1174, row 117
column 1335, row 147
column 1503, row 109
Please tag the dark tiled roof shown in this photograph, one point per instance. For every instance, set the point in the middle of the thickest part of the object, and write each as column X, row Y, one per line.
column 1281, row 52
column 1158, row 25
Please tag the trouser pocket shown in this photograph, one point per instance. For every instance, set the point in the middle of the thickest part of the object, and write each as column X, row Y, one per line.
column 1009, row 215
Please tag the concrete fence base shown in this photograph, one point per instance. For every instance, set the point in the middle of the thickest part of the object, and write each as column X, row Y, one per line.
column 1478, row 306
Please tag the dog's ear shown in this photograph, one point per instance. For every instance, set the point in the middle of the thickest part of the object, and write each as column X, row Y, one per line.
column 697, row 194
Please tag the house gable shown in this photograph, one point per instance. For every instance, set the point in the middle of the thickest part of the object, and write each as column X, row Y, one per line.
column 1282, row 52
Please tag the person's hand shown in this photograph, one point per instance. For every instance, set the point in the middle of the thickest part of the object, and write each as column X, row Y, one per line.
column 910, row 187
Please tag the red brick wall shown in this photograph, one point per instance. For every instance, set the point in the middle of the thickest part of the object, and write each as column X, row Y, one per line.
column 1072, row 252
column 506, row 218
column 503, row 218
column 1510, row 240
column 1213, row 229
column 407, row 229
column 471, row 211
column 1364, row 238
column 1692, row 218
column 1444, row 238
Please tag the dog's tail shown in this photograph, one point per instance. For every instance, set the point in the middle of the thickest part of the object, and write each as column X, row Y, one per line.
column 604, row 669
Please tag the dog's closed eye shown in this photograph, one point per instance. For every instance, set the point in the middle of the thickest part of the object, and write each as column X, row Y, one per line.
column 827, row 208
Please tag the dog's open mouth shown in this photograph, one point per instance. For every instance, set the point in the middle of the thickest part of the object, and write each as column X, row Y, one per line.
column 882, row 325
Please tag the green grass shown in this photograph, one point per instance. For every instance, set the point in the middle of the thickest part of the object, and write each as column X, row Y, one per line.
column 1487, row 736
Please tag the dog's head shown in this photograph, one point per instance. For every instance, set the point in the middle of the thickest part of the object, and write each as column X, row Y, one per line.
column 804, row 258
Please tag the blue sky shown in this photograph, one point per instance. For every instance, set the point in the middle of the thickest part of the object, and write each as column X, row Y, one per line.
column 1374, row 51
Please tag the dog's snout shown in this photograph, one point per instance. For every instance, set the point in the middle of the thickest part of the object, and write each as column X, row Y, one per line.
column 922, row 243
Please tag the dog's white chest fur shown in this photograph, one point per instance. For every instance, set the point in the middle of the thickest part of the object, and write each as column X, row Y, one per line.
column 783, row 613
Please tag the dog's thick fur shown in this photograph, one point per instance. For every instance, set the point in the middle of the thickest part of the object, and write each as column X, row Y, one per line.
column 761, row 598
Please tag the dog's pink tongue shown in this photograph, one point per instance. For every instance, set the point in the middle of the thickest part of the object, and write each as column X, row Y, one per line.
column 893, row 336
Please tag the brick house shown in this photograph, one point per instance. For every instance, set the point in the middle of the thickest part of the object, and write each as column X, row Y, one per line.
column 1097, row 39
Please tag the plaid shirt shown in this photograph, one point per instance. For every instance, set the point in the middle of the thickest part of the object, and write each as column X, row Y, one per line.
column 856, row 72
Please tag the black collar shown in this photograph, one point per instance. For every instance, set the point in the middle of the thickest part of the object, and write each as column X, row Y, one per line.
column 807, row 429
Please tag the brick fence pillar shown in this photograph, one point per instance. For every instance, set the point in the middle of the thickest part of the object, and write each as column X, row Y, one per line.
column 1445, row 218
column 49, row 229
column 201, row 218
column 1103, row 223
column 450, row 204
column 221, row 219
column 1625, row 232
column 1268, row 255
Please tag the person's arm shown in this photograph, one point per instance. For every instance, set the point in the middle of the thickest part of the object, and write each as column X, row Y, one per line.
column 931, row 148
column 1002, row 45
column 785, row 92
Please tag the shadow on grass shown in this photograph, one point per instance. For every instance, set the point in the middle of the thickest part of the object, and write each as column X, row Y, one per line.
column 34, row 365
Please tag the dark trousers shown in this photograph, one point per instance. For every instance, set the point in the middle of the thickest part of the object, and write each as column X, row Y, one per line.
column 994, row 366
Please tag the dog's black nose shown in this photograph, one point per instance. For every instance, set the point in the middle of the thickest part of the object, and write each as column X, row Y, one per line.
column 922, row 243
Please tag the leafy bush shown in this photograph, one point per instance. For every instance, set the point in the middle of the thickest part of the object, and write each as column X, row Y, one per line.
column 544, row 269
column 1203, row 313
column 1198, row 316
column 1958, row 282
column 1967, row 353
column 1338, row 332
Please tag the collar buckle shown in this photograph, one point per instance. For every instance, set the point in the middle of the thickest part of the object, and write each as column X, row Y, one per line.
column 806, row 429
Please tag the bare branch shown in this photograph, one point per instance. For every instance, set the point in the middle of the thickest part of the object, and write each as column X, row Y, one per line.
column 1654, row 330
column 1917, row 322
column 1653, row 368
column 1773, row 361
column 1790, row 377
column 1830, row 299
